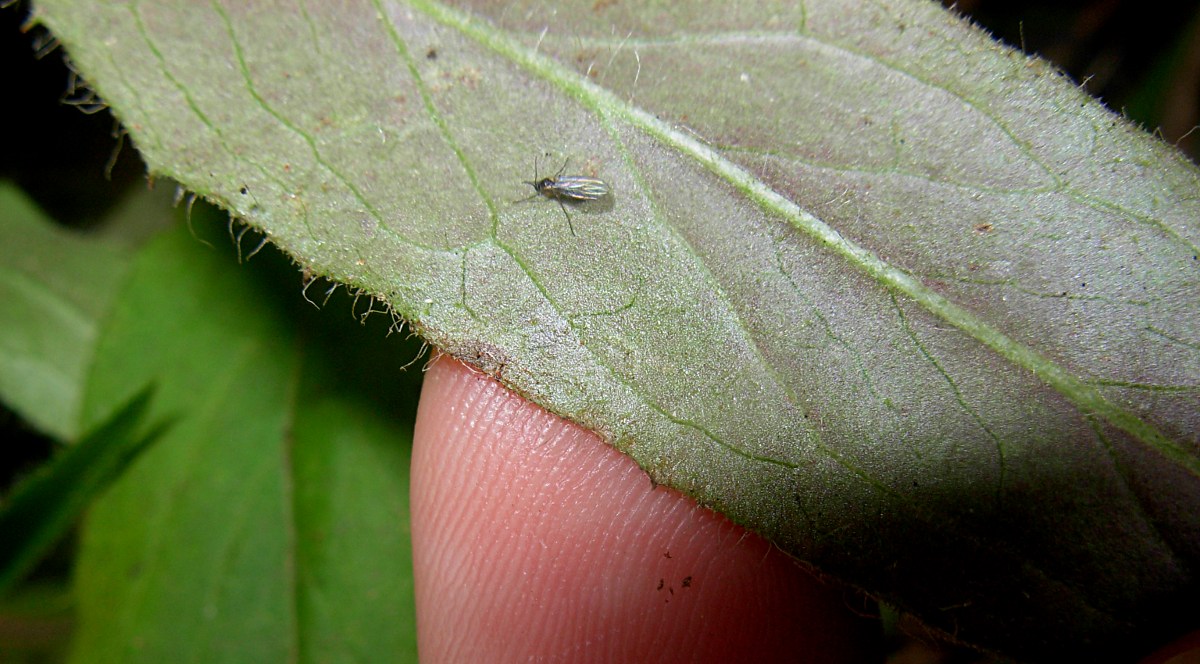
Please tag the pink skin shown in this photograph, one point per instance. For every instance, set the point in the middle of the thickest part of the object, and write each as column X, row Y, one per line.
column 533, row 539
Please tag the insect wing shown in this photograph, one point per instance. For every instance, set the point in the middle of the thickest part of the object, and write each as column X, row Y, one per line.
column 580, row 188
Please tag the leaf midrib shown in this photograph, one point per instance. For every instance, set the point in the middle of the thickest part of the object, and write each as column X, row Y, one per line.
column 1083, row 396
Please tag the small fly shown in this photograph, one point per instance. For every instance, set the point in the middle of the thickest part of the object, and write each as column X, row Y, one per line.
column 568, row 189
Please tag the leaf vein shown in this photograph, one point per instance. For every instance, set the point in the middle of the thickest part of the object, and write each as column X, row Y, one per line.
column 958, row 397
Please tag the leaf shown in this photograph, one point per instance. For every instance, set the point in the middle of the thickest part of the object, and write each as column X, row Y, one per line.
column 41, row 509
column 903, row 300
column 337, row 571
column 55, row 286
column 245, row 534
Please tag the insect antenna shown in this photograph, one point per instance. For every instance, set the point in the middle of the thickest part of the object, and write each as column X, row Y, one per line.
column 533, row 183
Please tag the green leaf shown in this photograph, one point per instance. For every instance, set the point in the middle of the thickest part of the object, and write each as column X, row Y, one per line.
column 41, row 509
column 901, row 299
column 56, row 287
column 336, row 573
column 246, row 534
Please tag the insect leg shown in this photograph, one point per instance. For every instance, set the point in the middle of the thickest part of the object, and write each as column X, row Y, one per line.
column 569, row 224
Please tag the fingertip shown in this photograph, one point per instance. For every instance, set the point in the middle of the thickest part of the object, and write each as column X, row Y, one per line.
column 534, row 538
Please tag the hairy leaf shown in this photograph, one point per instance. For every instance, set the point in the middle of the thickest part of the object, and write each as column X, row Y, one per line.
column 903, row 300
